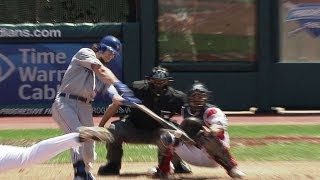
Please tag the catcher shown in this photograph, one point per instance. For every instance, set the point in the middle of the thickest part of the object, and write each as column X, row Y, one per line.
column 207, row 126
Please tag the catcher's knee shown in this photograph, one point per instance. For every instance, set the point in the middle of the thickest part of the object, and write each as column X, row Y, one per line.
column 167, row 139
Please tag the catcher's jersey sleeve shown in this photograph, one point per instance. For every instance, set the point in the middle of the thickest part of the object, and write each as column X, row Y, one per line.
column 214, row 115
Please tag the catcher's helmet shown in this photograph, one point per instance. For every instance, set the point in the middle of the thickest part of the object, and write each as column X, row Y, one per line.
column 198, row 95
column 110, row 43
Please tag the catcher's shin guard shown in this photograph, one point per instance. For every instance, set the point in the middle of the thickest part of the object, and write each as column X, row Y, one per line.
column 217, row 151
column 164, row 161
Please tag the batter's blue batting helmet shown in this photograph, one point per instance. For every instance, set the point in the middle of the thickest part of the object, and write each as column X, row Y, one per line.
column 110, row 43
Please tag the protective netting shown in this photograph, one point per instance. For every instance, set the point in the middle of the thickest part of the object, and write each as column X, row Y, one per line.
column 67, row 11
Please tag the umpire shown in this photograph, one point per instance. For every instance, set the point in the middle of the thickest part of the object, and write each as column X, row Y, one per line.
column 136, row 126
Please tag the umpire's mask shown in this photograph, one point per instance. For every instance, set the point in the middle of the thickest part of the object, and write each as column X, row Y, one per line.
column 159, row 80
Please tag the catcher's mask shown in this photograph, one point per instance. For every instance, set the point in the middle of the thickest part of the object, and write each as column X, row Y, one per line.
column 159, row 79
column 198, row 96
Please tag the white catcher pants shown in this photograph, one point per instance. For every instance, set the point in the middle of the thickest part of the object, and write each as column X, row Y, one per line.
column 12, row 157
column 195, row 156
column 198, row 157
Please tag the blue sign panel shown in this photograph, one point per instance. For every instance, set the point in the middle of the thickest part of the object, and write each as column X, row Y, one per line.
column 30, row 75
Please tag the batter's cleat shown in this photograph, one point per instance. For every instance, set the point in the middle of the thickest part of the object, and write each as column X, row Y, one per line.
column 80, row 172
column 236, row 173
column 87, row 176
column 95, row 133
column 182, row 168
column 90, row 176
column 109, row 169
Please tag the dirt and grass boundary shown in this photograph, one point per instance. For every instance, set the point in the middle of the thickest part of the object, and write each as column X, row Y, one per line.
column 137, row 170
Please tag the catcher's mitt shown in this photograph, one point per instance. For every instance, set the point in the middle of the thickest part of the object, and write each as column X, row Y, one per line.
column 192, row 126
column 95, row 133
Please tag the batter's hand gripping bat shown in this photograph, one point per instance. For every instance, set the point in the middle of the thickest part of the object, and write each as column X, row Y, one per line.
column 184, row 137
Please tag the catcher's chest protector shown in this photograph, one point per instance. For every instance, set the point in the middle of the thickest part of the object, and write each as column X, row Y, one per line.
column 186, row 112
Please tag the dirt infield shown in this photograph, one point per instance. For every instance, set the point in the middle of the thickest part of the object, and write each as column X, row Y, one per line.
column 48, row 122
column 254, row 170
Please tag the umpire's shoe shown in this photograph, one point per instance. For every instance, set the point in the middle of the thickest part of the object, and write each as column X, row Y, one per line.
column 95, row 133
column 109, row 169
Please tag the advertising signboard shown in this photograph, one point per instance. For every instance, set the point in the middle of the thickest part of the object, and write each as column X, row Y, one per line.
column 30, row 74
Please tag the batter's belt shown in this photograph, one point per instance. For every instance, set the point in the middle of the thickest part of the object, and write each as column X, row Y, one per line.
column 75, row 97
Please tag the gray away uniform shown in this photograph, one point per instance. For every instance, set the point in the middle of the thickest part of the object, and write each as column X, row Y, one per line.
column 72, row 107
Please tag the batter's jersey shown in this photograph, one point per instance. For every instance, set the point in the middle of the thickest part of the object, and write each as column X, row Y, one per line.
column 79, row 78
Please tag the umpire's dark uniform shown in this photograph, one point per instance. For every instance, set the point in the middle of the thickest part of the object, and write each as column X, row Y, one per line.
column 138, row 127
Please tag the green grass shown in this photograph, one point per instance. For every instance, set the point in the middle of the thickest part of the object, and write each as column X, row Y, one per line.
column 278, row 152
column 27, row 134
column 294, row 150
column 132, row 153
column 274, row 130
column 234, row 131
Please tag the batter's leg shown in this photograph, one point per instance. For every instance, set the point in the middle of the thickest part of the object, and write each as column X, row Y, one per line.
column 65, row 114
column 88, row 148
column 66, row 117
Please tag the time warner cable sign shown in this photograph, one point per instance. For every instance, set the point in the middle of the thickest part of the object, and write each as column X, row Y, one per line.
column 30, row 75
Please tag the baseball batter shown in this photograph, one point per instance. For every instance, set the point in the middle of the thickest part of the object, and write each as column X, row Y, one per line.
column 72, row 108
column 207, row 125
column 13, row 157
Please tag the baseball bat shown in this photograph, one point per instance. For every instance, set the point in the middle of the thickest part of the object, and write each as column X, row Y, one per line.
column 184, row 137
